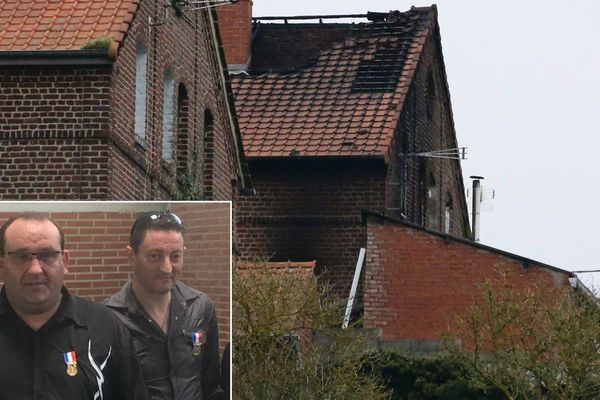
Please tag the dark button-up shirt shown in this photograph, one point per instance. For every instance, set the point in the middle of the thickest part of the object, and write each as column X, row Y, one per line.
column 33, row 366
column 171, row 368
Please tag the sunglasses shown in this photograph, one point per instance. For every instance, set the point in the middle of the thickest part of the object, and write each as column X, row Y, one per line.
column 166, row 214
column 158, row 218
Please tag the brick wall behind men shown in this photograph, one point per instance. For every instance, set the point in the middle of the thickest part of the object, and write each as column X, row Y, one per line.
column 417, row 283
column 99, row 266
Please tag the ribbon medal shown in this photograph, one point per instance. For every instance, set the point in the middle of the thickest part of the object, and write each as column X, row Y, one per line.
column 197, row 342
column 71, row 361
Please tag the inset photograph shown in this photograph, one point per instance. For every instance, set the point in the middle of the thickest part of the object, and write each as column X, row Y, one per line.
column 115, row 300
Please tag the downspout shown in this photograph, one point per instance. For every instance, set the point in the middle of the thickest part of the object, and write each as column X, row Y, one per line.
column 228, row 100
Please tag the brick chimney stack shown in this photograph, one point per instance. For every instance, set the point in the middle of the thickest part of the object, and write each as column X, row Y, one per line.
column 235, row 25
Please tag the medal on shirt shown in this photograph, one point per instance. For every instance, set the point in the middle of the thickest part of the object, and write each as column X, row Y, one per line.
column 71, row 361
column 197, row 343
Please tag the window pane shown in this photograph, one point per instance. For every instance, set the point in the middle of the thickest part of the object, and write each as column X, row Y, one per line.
column 168, row 116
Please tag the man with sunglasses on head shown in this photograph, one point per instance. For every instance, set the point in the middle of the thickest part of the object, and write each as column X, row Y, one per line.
column 54, row 345
column 174, row 327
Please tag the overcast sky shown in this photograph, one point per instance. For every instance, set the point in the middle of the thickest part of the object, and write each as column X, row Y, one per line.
column 524, row 80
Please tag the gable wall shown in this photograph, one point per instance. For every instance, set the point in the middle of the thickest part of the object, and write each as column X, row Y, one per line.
column 421, row 187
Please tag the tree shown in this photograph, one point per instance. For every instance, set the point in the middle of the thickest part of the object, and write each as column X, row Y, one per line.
column 277, row 313
column 531, row 342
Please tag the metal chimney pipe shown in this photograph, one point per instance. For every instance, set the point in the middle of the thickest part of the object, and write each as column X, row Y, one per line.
column 476, row 209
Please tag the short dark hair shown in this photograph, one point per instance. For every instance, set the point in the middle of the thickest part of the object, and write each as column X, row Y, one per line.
column 29, row 216
column 153, row 221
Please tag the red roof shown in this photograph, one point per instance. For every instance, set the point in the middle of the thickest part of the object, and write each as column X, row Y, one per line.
column 344, row 101
column 30, row 25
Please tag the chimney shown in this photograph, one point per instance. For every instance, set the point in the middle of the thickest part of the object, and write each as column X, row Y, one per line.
column 235, row 26
column 476, row 206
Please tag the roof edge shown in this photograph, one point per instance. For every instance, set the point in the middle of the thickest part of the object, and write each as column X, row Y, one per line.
column 242, row 165
column 316, row 158
column 118, row 36
column 55, row 57
column 527, row 261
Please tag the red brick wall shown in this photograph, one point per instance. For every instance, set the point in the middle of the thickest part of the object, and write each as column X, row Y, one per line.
column 235, row 26
column 54, row 123
column 99, row 266
column 416, row 282
column 188, row 50
column 207, row 257
column 310, row 210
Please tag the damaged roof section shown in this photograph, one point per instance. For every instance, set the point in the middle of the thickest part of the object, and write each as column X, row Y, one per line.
column 329, row 89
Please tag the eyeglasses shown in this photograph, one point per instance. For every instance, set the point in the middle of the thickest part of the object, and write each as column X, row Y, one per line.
column 166, row 214
column 46, row 257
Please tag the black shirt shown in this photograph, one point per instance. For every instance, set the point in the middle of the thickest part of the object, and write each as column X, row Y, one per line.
column 33, row 365
column 171, row 367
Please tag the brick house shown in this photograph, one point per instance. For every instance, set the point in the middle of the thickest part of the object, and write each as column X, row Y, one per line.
column 332, row 117
column 346, row 128
column 121, row 99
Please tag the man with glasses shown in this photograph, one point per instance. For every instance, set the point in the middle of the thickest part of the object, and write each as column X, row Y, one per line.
column 174, row 327
column 54, row 345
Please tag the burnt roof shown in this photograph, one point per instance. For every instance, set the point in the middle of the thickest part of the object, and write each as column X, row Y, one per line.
column 329, row 89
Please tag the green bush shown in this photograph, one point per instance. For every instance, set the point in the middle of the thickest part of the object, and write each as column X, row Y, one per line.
column 412, row 378
column 276, row 315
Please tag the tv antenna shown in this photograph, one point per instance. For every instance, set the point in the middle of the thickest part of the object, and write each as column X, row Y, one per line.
column 193, row 5
column 457, row 153
column 487, row 198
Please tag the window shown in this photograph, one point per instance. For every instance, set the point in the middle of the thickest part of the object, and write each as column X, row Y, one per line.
column 430, row 97
column 183, row 144
column 141, row 58
column 207, row 170
column 168, row 116
column 448, row 215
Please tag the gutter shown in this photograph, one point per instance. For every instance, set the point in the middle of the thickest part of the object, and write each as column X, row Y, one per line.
column 376, row 157
column 54, row 57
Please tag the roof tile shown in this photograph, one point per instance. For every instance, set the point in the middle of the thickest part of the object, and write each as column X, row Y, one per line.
column 49, row 24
